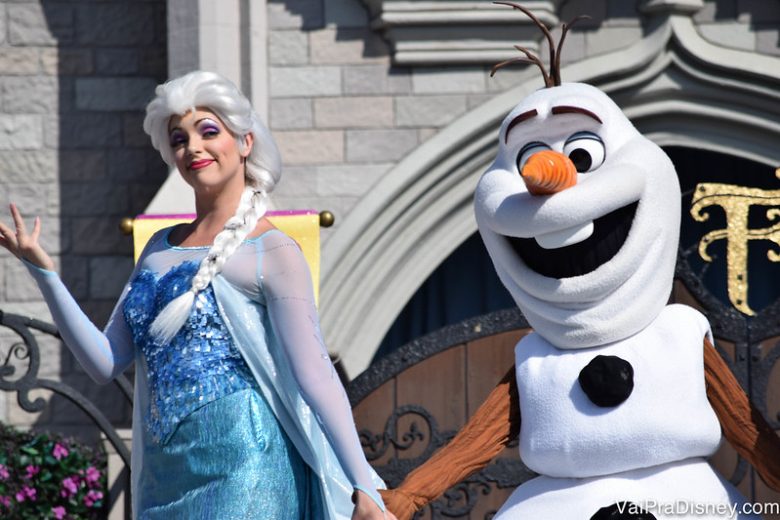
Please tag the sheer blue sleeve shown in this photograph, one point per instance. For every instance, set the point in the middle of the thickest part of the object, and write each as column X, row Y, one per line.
column 104, row 355
column 286, row 283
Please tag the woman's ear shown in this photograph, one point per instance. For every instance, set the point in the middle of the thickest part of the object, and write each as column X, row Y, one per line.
column 249, row 140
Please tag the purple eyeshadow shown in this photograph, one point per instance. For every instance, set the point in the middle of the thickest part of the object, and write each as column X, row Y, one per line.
column 208, row 127
column 177, row 137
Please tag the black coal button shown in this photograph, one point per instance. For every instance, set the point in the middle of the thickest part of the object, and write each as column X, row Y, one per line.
column 607, row 380
column 622, row 511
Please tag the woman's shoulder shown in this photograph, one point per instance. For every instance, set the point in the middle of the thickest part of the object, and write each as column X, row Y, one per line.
column 269, row 237
column 158, row 239
column 263, row 226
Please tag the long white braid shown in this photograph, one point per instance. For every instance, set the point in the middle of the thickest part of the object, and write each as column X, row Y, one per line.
column 252, row 207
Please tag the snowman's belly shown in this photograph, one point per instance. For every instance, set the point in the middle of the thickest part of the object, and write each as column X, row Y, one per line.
column 682, row 490
column 666, row 418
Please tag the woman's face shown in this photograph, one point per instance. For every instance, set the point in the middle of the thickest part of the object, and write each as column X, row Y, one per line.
column 206, row 152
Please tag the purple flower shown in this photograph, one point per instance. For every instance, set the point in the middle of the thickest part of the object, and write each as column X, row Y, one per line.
column 32, row 471
column 6, row 501
column 93, row 475
column 31, row 492
column 69, row 486
column 3, row 472
column 59, row 451
column 91, row 497
column 25, row 493
column 58, row 512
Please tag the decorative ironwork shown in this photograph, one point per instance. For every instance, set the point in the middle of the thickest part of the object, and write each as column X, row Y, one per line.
column 27, row 351
column 460, row 499
column 427, row 437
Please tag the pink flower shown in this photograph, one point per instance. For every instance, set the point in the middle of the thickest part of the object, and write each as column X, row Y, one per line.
column 3, row 472
column 93, row 475
column 59, row 451
column 91, row 497
column 25, row 493
column 58, row 512
column 6, row 501
column 32, row 471
column 69, row 487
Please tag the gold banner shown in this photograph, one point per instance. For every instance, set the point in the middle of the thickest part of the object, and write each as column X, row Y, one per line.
column 301, row 226
column 736, row 202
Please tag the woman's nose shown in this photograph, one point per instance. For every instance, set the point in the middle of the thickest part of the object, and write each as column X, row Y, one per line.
column 194, row 145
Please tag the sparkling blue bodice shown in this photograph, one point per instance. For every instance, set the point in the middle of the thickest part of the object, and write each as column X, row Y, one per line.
column 200, row 365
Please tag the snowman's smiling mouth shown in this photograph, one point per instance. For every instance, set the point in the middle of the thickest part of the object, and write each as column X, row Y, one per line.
column 609, row 235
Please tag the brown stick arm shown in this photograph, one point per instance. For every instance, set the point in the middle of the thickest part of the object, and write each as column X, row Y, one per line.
column 743, row 426
column 487, row 432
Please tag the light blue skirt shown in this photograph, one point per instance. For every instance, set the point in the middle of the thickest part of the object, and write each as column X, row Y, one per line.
column 229, row 459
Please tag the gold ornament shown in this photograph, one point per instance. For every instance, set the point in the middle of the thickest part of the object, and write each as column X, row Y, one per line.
column 736, row 202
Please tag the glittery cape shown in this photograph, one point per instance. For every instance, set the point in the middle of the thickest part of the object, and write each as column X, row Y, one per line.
column 253, row 335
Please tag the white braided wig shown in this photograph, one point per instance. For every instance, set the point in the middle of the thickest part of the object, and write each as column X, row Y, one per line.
column 209, row 90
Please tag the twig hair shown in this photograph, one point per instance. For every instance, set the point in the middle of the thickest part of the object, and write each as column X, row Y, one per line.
column 262, row 171
column 553, row 79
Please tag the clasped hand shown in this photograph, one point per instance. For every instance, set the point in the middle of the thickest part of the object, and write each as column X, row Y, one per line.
column 366, row 509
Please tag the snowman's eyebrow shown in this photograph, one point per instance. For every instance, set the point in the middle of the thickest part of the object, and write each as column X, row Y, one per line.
column 565, row 109
column 519, row 119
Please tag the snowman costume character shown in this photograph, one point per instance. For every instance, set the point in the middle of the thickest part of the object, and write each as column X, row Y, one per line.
column 580, row 214
column 592, row 266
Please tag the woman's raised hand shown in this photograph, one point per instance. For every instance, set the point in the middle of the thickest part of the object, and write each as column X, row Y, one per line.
column 23, row 244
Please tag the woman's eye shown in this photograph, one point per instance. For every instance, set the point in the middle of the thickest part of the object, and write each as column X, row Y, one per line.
column 527, row 151
column 177, row 140
column 586, row 151
column 209, row 131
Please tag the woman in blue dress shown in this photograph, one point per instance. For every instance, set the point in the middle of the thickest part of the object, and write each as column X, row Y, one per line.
column 238, row 410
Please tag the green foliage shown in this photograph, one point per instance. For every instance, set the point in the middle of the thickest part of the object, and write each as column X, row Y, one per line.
column 43, row 476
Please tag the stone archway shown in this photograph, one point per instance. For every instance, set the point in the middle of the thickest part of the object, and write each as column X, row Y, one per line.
column 676, row 87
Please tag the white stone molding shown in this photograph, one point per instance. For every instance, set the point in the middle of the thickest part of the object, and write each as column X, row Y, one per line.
column 678, row 6
column 433, row 32
column 676, row 87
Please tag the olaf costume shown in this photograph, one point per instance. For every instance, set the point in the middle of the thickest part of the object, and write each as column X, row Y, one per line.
column 619, row 397
column 611, row 384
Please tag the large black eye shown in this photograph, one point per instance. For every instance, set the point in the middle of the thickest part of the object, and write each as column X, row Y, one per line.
column 586, row 151
column 527, row 151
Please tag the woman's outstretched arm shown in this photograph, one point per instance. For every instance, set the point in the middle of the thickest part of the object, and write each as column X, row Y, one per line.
column 286, row 282
column 103, row 355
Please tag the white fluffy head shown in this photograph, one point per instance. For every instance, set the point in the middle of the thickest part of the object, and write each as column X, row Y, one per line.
column 216, row 93
column 599, row 275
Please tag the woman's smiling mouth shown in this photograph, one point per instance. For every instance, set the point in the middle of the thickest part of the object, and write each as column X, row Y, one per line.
column 202, row 163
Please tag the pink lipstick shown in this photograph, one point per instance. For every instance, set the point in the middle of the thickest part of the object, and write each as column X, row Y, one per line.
column 197, row 165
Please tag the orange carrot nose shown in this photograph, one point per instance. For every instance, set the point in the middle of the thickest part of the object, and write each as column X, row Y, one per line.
column 548, row 172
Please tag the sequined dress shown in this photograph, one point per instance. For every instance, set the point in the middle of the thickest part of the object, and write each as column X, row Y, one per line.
column 207, row 418
column 242, row 414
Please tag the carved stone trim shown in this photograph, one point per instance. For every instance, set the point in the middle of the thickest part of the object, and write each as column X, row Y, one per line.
column 453, row 32
column 676, row 6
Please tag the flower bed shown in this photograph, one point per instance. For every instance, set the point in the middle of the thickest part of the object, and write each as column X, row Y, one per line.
column 43, row 476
